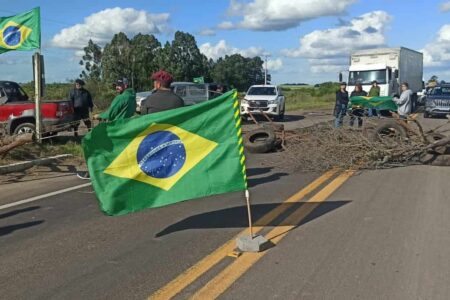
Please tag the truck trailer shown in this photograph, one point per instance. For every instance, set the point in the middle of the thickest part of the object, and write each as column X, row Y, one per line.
column 389, row 67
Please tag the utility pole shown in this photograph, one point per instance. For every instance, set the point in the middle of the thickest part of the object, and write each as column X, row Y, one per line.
column 37, row 68
column 265, row 68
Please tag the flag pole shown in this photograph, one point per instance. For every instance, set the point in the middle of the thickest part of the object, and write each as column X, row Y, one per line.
column 249, row 212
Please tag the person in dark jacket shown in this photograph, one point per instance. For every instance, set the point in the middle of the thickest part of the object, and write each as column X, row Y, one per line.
column 341, row 105
column 357, row 112
column 82, row 104
column 163, row 98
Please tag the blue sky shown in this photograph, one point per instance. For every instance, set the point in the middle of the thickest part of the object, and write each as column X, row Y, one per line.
column 308, row 40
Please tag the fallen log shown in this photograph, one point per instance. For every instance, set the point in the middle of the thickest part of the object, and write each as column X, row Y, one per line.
column 10, row 142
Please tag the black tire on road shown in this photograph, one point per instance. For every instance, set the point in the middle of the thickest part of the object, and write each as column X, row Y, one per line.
column 260, row 140
column 388, row 132
column 426, row 115
column 25, row 128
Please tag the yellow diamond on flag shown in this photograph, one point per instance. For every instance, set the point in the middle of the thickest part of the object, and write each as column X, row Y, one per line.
column 12, row 35
column 160, row 156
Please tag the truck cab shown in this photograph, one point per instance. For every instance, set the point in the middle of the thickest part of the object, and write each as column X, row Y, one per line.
column 17, row 112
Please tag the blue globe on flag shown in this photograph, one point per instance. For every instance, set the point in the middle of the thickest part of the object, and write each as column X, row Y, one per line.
column 12, row 36
column 161, row 154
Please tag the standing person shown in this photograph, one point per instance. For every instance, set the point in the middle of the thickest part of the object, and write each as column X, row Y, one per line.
column 357, row 111
column 122, row 107
column 341, row 105
column 82, row 104
column 374, row 92
column 124, row 104
column 404, row 103
column 163, row 98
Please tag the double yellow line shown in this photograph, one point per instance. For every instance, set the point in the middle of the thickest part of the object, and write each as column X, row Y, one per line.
column 231, row 273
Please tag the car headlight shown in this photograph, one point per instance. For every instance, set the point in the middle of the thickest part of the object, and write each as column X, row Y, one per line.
column 274, row 101
column 244, row 102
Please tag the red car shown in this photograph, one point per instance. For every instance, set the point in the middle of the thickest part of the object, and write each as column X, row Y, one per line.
column 17, row 112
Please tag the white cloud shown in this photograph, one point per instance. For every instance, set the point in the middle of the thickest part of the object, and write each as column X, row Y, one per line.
column 101, row 27
column 222, row 48
column 328, row 50
column 267, row 15
column 275, row 64
column 437, row 53
column 445, row 7
column 207, row 32
column 226, row 25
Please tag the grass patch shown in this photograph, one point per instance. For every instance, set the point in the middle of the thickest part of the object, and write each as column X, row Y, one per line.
column 302, row 99
column 56, row 146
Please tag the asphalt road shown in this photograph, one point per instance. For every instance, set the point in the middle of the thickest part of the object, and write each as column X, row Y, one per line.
column 374, row 235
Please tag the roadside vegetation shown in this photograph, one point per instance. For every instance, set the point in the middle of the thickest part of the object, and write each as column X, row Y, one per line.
column 321, row 96
column 51, row 147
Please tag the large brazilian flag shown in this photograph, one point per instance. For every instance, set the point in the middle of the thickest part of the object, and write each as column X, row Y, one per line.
column 167, row 157
column 380, row 103
column 21, row 32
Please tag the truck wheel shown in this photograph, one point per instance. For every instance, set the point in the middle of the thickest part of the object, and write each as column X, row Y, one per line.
column 426, row 114
column 280, row 117
column 25, row 128
column 260, row 140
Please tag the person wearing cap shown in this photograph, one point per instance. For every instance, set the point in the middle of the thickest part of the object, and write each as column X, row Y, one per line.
column 122, row 107
column 124, row 104
column 163, row 98
column 341, row 105
column 374, row 92
column 82, row 104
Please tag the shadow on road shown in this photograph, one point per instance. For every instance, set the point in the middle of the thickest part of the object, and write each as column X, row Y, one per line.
column 18, row 211
column 251, row 172
column 252, row 182
column 236, row 217
column 292, row 118
column 11, row 228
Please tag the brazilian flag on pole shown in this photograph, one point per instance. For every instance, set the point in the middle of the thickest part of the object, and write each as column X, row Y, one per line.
column 21, row 32
column 167, row 157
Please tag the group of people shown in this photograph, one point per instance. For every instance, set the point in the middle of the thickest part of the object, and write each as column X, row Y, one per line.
column 404, row 103
column 124, row 104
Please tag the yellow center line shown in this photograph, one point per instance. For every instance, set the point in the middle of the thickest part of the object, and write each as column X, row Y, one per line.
column 193, row 273
column 219, row 284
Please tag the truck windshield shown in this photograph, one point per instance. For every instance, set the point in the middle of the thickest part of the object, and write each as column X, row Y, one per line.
column 262, row 91
column 366, row 77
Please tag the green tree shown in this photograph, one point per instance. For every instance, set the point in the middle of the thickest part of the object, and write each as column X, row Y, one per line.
column 183, row 58
column 91, row 61
column 144, row 49
column 116, row 59
column 238, row 71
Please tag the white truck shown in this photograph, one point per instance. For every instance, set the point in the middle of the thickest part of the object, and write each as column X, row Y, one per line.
column 389, row 67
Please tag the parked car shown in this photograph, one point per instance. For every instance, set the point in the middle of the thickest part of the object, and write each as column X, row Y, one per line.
column 193, row 93
column 437, row 101
column 266, row 98
column 141, row 96
column 17, row 112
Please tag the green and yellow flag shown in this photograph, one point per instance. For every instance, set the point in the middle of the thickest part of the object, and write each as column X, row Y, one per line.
column 21, row 32
column 167, row 157
column 380, row 103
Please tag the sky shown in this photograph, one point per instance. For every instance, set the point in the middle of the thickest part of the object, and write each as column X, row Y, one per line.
column 307, row 41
